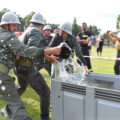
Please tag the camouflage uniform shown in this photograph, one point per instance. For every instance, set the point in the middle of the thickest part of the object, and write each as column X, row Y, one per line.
column 10, row 46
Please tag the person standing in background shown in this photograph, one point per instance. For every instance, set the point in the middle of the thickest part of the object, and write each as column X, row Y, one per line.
column 46, row 40
column 100, row 42
column 84, row 38
column 115, row 38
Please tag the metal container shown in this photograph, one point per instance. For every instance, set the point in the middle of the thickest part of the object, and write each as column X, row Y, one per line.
column 97, row 99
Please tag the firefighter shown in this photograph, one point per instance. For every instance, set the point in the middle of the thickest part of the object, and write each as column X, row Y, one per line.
column 10, row 47
column 47, row 35
column 46, row 40
column 28, row 73
column 65, row 35
column 83, row 39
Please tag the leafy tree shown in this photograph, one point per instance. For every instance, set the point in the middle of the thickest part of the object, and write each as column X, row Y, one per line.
column 118, row 22
column 75, row 27
column 21, row 26
column 90, row 28
column 4, row 10
column 94, row 30
column 28, row 17
column 53, row 26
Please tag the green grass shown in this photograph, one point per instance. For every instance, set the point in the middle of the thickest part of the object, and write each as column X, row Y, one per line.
column 104, row 66
column 31, row 99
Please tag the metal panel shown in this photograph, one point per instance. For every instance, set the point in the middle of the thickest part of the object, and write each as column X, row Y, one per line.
column 98, row 100
column 73, row 106
column 108, row 110
column 73, row 88
column 90, row 104
column 107, row 94
column 57, row 101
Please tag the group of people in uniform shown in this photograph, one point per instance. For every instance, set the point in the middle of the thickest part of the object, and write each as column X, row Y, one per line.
column 22, row 57
column 28, row 54
column 33, row 50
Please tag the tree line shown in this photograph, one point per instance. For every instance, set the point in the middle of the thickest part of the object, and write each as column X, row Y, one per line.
column 76, row 28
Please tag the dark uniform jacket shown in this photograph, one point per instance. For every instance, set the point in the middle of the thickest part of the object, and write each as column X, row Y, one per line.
column 71, row 42
column 33, row 37
column 46, row 41
column 11, row 46
column 84, row 35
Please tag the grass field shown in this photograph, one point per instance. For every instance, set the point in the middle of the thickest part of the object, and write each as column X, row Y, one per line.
column 30, row 98
column 104, row 66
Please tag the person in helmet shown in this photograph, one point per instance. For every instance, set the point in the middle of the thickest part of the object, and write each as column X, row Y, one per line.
column 65, row 35
column 46, row 40
column 47, row 35
column 10, row 47
column 100, row 43
column 33, row 37
column 33, row 33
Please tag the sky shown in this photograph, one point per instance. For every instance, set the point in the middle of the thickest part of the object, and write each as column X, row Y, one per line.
column 101, row 13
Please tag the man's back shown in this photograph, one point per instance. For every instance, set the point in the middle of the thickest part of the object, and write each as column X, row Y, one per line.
column 32, row 36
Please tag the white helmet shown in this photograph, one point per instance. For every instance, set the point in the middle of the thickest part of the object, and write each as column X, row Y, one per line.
column 67, row 27
column 9, row 18
column 38, row 18
column 47, row 27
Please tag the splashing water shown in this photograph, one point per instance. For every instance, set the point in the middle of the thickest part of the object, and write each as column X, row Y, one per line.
column 0, row 82
column 69, row 71
column 9, row 95
column 12, row 39
column 9, row 45
column 4, row 46
column 59, row 70
column 3, row 88
column 2, row 40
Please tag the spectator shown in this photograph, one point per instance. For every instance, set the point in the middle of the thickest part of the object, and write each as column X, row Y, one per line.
column 100, row 42
column 84, row 38
column 115, row 38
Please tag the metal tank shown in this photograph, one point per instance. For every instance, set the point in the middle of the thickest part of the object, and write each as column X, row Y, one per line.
column 95, row 98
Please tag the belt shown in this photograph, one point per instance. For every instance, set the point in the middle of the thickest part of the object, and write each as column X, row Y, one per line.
column 25, row 62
